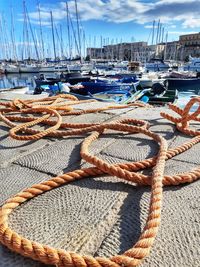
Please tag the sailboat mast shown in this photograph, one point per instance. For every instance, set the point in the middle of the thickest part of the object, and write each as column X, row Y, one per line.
column 160, row 31
column 158, row 27
column 54, row 47
column 78, row 28
column 166, row 37
column 26, row 34
column 74, row 36
column 41, row 33
column 3, row 36
column 68, row 31
column 84, row 44
column 61, row 42
column 32, row 33
column 13, row 36
column 163, row 30
column 153, row 32
column 101, row 47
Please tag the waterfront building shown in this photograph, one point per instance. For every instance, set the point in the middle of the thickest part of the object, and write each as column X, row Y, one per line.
column 189, row 45
column 95, row 53
column 135, row 51
column 172, row 51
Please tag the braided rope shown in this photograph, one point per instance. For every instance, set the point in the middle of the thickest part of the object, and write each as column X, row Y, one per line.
column 127, row 171
column 182, row 123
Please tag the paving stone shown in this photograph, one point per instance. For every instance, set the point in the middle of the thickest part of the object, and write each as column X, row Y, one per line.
column 150, row 114
column 119, row 111
column 72, row 216
column 92, row 105
column 177, row 242
column 12, row 149
column 104, row 216
column 62, row 155
column 90, row 118
column 15, row 178
column 55, row 157
column 192, row 155
column 12, row 259
column 132, row 147
column 11, row 96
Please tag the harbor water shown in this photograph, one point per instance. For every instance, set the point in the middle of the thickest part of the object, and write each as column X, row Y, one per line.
column 27, row 79
column 21, row 79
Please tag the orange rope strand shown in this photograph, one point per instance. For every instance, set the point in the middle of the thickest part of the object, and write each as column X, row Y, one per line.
column 51, row 107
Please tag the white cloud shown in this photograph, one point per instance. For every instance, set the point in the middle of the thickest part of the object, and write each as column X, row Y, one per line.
column 180, row 32
column 150, row 26
column 191, row 23
column 185, row 12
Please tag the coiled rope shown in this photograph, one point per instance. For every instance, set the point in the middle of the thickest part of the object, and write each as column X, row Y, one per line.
column 55, row 107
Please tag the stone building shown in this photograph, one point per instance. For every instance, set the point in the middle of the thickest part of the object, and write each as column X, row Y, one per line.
column 95, row 53
column 189, row 45
column 172, row 51
column 135, row 51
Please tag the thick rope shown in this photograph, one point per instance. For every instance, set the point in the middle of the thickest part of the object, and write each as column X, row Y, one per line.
column 51, row 107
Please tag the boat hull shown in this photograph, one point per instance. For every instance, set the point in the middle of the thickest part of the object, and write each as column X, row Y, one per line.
column 11, row 70
column 184, row 84
column 29, row 69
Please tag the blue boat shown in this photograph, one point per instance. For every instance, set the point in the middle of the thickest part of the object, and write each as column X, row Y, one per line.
column 104, row 86
column 120, row 96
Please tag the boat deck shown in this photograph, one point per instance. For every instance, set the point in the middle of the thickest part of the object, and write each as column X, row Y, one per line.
column 101, row 216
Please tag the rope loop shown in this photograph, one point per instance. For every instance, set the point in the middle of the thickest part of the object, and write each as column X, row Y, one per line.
column 40, row 112
column 183, row 122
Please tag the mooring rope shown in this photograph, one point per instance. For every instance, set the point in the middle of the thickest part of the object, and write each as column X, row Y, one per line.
column 56, row 107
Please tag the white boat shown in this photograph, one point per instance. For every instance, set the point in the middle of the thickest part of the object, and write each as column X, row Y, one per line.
column 56, row 68
column 148, row 79
column 87, row 67
column 47, row 69
column 156, row 65
column 29, row 68
column 61, row 68
column 194, row 64
column 74, row 67
column 11, row 69
column 16, row 90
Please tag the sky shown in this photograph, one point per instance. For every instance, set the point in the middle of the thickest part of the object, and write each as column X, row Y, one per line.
column 114, row 20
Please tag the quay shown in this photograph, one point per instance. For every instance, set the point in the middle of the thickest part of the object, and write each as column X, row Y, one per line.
column 101, row 216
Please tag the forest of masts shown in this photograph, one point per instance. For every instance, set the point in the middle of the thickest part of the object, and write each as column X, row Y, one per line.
column 66, row 42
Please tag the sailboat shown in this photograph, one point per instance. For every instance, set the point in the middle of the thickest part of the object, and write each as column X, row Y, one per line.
column 28, row 67
column 11, row 68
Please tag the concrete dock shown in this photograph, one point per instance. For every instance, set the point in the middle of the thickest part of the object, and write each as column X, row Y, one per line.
column 101, row 216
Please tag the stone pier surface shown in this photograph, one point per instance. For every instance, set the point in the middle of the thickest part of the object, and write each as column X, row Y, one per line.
column 101, row 216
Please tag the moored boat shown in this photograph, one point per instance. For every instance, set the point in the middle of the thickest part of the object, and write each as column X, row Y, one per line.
column 29, row 68
column 11, row 69
column 17, row 90
column 161, row 95
column 156, row 65
column 183, row 84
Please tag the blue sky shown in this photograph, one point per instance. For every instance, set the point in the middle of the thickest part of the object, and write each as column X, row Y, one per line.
column 115, row 20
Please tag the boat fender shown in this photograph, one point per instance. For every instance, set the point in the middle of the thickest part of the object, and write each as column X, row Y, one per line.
column 144, row 99
column 64, row 88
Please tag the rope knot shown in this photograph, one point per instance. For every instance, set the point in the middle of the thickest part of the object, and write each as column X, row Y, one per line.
column 186, row 116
